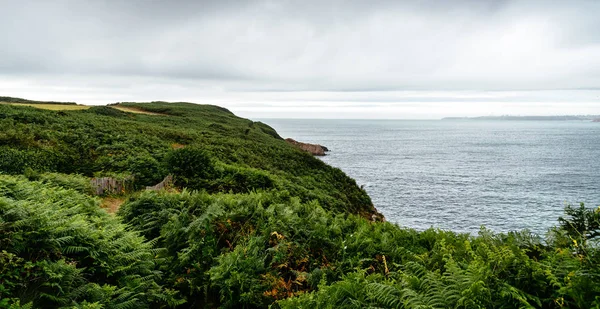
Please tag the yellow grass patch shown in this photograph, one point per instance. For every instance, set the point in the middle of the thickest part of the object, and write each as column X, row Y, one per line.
column 54, row 107
column 68, row 107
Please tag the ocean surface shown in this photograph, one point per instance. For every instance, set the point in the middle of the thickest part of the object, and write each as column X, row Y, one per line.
column 462, row 174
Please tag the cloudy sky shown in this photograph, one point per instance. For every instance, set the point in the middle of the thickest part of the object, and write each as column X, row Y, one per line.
column 309, row 59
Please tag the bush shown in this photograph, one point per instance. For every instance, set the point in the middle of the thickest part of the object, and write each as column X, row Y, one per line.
column 107, row 111
column 12, row 161
column 191, row 167
column 241, row 180
column 146, row 170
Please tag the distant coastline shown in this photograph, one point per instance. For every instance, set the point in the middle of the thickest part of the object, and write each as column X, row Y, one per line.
column 594, row 118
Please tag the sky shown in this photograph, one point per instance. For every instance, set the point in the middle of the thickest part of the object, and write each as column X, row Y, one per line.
column 309, row 59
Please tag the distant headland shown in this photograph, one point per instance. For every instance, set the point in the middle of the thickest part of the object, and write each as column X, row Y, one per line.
column 594, row 118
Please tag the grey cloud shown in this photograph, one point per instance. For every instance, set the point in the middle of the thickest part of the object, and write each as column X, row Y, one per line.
column 353, row 44
column 271, row 47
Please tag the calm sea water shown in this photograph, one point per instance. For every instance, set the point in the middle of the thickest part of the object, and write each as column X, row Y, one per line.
column 461, row 174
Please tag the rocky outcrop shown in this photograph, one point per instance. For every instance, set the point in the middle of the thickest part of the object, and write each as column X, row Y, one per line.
column 314, row 149
column 596, row 120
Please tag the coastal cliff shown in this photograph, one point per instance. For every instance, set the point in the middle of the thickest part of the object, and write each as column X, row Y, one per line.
column 314, row 149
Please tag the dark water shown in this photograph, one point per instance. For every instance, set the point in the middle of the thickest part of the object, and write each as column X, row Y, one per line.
column 459, row 175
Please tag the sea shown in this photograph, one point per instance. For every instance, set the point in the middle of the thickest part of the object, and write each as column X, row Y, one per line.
column 461, row 174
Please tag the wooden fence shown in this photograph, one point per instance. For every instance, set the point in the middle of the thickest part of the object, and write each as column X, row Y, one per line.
column 110, row 186
column 114, row 186
column 165, row 184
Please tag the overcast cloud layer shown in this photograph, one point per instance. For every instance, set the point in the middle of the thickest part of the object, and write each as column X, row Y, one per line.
column 342, row 59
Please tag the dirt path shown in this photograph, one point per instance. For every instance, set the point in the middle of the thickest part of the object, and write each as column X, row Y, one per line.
column 112, row 204
column 134, row 110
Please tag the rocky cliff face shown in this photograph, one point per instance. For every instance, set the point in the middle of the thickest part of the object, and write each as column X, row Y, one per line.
column 314, row 149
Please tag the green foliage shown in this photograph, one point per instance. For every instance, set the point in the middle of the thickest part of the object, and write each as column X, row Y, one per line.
column 492, row 272
column 58, row 248
column 252, row 250
column 237, row 275
column 240, row 180
column 107, row 111
column 12, row 161
column 78, row 183
column 191, row 167
column 146, row 170
column 581, row 223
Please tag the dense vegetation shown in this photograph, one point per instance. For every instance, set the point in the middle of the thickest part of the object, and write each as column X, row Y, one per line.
column 59, row 248
column 251, row 223
column 241, row 155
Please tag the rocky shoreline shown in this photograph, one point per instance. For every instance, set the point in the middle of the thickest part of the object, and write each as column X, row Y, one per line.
column 314, row 149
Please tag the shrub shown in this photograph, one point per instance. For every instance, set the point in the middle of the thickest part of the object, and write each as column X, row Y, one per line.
column 107, row 111
column 241, row 180
column 12, row 161
column 146, row 170
column 191, row 167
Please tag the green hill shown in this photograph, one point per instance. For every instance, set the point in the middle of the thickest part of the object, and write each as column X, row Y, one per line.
column 245, row 220
column 25, row 101
column 244, row 155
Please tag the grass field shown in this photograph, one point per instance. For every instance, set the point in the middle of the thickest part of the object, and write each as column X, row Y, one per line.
column 70, row 107
column 54, row 107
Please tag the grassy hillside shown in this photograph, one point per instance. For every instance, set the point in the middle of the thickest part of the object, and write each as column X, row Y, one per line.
column 13, row 100
column 251, row 222
column 243, row 155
